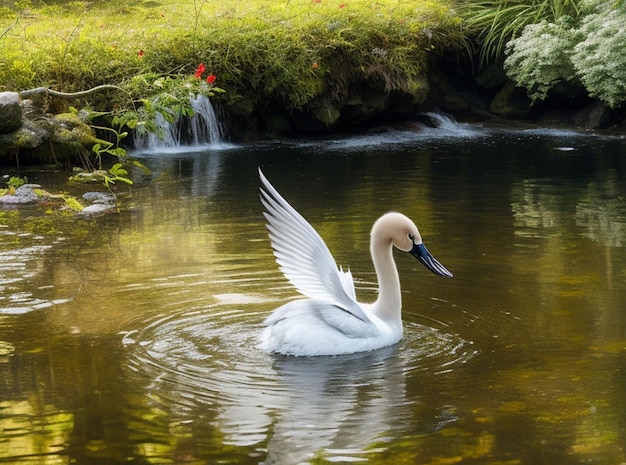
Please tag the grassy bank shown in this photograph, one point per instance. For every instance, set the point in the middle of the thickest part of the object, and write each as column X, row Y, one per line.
column 289, row 50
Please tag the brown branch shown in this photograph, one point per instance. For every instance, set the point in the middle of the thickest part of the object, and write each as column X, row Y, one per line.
column 56, row 93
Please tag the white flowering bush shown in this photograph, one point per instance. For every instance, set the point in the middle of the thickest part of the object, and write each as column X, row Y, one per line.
column 540, row 57
column 600, row 59
column 590, row 52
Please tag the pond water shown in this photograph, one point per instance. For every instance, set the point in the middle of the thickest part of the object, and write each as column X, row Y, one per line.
column 132, row 338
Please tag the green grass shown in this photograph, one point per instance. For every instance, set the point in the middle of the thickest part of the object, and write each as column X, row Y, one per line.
column 495, row 22
column 291, row 51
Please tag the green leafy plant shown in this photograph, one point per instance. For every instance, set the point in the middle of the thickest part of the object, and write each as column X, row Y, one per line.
column 495, row 22
column 165, row 96
column 600, row 58
column 587, row 52
column 16, row 181
column 118, row 171
column 540, row 58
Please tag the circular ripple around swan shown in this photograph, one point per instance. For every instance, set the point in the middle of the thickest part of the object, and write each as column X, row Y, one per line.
column 209, row 358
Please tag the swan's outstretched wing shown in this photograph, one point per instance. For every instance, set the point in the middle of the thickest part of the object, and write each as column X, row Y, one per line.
column 303, row 256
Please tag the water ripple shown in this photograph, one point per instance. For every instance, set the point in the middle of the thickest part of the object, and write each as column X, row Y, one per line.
column 291, row 408
column 22, row 259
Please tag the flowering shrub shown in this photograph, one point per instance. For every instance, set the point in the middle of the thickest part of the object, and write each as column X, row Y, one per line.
column 495, row 22
column 589, row 52
column 600, row 59
column 541, row 57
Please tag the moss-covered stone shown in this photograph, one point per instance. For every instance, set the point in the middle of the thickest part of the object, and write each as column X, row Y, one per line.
column 511, row 102
column 325, row 112
column 71, row 136
column 29, row 136
column 10, row 112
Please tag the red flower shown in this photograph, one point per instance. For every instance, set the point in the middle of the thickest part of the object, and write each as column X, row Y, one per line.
column 315, row 65
column 342, row 6
column 140, row 53
column 199, row 70
column 211, row 78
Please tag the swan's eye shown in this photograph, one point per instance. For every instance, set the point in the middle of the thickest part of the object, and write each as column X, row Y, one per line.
column 411, row 237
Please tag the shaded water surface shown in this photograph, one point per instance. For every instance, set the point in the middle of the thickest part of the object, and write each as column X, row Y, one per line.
column 133, row 338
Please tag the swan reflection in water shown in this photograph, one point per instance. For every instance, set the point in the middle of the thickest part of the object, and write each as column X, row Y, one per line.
column 337, row 406
column 328, row 406
column 297, row 408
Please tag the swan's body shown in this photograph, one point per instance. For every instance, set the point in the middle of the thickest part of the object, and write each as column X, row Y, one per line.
column 331, row 321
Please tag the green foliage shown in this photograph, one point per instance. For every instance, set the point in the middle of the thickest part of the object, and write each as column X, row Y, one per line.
column 119, row 171
column 600, row 59
column 495, row 22
column 588, row 52
column 297, row 54
column 540, row 58
column 167, row 96
column 17, row 70
column 16, row 181
column 263, row 50
column 72, row 203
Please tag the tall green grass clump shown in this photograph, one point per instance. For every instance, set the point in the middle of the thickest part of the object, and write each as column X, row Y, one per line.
column 495, row 22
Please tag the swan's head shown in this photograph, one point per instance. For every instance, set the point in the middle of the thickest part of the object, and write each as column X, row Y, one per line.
column 404, row 235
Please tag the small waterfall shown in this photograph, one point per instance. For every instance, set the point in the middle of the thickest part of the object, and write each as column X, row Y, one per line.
column 201, row 129
column 203, row 126
column 442, row 121
column 444, row 124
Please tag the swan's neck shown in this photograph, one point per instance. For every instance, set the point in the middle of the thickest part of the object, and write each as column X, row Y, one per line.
column 388, row 306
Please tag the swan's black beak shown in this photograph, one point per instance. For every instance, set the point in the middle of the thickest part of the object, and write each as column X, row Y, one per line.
column 420, row 252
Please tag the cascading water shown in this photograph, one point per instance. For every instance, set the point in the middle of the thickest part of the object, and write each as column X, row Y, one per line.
column 203, row 126
column 201, row 129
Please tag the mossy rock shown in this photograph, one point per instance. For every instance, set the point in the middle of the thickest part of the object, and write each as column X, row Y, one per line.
column 10, row 112
column 325, row 112
column 88, row 177
column 71, row 135
column 511, row 102
column 418, row 88
column 30, row 136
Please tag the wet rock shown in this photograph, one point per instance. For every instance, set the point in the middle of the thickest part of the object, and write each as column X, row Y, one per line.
column 71, row 134
column 99, row 197
column 102, row 203
column 31, row 135
column 325, row 112
column 87, row 177
column 98, row 209
column 64, row 134
column 30, row 109
column 593, row 116
column 23, row 195
column 511, row 102
column 10, row 112
column 491, row 78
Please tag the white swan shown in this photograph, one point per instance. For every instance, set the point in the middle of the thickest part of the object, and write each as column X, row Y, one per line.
column 331, row 321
